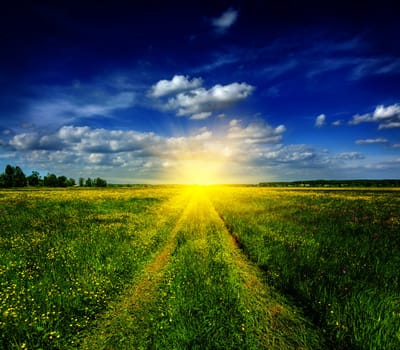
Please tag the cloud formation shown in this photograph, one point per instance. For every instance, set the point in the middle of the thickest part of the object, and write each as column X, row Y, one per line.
column 371, row 141
column 320, row 120
column 225, row 21
column 77, row 150
column 201, row 100
column 249, row 151
column 177, row 84
column 196, row 102
column 386, row 117
column 255, row 133
column 337, row 122
column 350, row 155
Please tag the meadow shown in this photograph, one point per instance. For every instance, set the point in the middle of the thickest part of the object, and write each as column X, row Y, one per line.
column 336, row 253
column 199, row 267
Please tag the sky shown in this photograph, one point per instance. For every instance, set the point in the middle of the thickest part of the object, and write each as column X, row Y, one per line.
column 200, row 91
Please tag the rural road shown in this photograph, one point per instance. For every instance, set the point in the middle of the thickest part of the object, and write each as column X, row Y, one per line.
column 201, row 291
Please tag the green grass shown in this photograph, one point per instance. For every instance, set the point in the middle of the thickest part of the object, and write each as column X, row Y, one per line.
column 336, row 253
column 212, row 268
column 208, row 297
column 65, row 254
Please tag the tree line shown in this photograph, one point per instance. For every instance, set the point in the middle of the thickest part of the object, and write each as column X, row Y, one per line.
column 335, row 183
column 15, row 177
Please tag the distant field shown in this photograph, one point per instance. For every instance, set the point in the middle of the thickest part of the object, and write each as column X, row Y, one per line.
column 200, row 267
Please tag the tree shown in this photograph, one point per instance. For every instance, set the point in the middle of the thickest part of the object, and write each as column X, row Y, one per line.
column 50, row 180
column 9, row 176
column 62, row 181
column 15, row 177
column 89, row 182
column 99, row 182
column 71, row 182
column 2, row 180
column 19, row 177
column 34, row 179
column 81, row 181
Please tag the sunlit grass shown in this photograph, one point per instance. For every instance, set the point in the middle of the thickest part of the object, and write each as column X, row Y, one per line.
column 72, row 260
column 65, row 254
column 336, row 253
column 208, row 297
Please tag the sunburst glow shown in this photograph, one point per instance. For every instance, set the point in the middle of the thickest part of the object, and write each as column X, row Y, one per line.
column 202, row 172
column 204, row 157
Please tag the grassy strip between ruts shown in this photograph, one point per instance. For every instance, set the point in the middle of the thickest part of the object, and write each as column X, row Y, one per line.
column 127, row 315
column 207, row 297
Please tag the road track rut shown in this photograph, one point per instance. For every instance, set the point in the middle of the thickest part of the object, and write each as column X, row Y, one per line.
column 269, row 312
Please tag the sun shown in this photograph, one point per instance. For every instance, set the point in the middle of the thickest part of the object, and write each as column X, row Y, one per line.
column 202, row 160
column 202, row 172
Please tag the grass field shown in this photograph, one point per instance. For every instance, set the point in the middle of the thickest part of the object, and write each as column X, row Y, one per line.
column 199, row 267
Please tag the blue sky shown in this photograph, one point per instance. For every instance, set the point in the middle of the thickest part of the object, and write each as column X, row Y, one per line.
column 223, row 91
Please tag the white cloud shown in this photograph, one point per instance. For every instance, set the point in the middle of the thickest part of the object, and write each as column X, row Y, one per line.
column 204, row 134
column 234, row 122
column 371, row 141
column 291, row 154
column 320, row 120
column 95, row 158
column 177, row 84
column 383, row 113
column 256, row 132
column 242, row 151
column 349, row 155
column 280, row 129
column 386, row 117
column 85, row 139
column 337, row 122
column 358, row 119
column 199, row 116
column 192, row 100
column 73, row 133
column 77, row 151
column 198, row 102
column 390, row 125
column 25, row 141
column 225, row 21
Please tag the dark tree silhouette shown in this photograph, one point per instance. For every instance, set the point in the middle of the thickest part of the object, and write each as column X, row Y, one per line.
column 81, row 181
column 15, row 177
column 99, row 182
column 50, row 180
column 19, row 178
column 62, row 181
column 89, row 182
column 34, row 179
column 9, row 176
